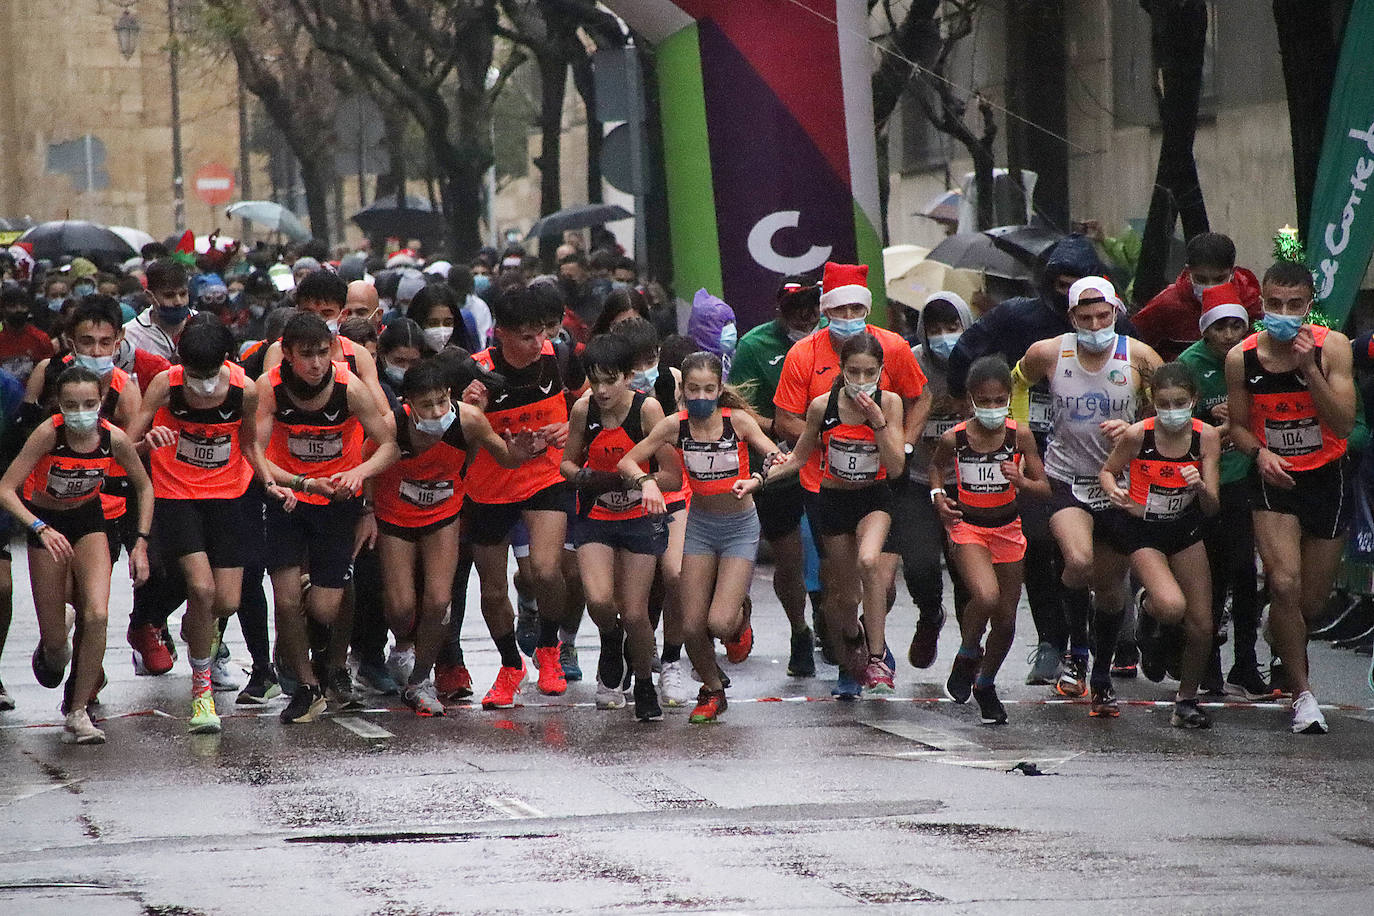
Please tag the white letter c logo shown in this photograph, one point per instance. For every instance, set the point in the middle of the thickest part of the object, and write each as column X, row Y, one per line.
column 762, row 251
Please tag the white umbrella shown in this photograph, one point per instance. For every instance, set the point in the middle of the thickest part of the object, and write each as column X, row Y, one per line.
column 222, row 243
column 271, row 216
column 136, row 238
column 911, row 277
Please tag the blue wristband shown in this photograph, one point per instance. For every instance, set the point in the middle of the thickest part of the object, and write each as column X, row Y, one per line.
column 38, row 525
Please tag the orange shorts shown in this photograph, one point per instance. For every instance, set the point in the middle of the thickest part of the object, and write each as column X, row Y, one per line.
column 1006, row 544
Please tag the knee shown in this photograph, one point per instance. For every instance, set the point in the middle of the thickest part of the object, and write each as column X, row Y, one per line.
column 1284, row 584
column 1168, row 609
column 870, row 564
column 984, row 600
column 94, row 614
column 201, row 594
column 1078, row 569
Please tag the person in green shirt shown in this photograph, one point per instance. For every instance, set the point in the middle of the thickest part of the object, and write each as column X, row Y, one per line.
column 755, row 371
column 1229, row 536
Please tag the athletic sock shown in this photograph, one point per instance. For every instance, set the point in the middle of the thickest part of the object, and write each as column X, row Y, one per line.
column 982, row 682
column 200, row 677
column 672, row 652
column 610, row 666
column 510, row 651
column 548, row 634
column 1078, row 608
column 965, row 652
column 1106, row 628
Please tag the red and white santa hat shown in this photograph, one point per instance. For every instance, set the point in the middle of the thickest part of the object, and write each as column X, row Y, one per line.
column 1220, row 302
column 845, row 284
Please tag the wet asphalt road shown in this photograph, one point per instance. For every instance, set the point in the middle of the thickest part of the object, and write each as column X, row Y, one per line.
column 793, row 806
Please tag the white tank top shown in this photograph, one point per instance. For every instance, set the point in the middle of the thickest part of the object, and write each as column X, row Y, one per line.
column 1083, row 400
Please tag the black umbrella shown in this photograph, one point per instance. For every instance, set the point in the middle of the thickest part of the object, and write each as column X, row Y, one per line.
column 77, row 237
column 579, row 217
column 976, row 251
column 411, row 217
column 1026, row 243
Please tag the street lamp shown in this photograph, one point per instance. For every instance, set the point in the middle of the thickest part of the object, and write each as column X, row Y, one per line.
column 126, row 30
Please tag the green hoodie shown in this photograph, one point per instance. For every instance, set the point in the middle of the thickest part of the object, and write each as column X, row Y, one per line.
column 1210, row 371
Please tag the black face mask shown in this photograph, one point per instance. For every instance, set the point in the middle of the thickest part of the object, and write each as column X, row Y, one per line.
column 299, row 387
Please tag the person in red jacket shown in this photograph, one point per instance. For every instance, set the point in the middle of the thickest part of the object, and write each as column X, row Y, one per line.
column 1169, row 321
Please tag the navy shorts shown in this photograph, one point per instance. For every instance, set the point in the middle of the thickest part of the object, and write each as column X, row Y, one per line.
column 317, row 538
column 645, row 535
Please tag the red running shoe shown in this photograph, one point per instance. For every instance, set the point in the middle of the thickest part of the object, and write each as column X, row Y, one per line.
column 150, row 652
column 710, row 704
column 452, row 682
column 738, row 649
column 551, row 680
column 502, row 693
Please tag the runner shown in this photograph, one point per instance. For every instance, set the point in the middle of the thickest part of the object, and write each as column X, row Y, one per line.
column 200, row 423
column 59, row 470
column 856, row 427
column 417, row 502
column 618, row 541
column 158, row 327
column 1171, row 460
column 1292, row 404
column 994, row 460
column 533, row 400
column 713, row 437
column 313, row 413
column 1097, row 378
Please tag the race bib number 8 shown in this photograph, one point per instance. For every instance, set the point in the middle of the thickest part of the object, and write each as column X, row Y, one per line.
column 851, row 460
column 1089, row 492
column 204, row 451
column 315, row 447
column 1292, row 437
column 705, row 461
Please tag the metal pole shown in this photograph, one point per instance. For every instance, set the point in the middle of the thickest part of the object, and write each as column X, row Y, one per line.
column 636, row 125
column 491, row 191
column 245, row 161
column 178, row 180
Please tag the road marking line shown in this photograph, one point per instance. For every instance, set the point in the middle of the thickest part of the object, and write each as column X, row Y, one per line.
column 362, row 728
column 937, row 740
column 513, row 807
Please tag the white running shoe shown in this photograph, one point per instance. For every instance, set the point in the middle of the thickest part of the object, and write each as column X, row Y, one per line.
column 423, row 699
column 79, row 729
column 1307, row 715
column 400, row 663
column 221, row 674
column 671, row 692
column 609, row 697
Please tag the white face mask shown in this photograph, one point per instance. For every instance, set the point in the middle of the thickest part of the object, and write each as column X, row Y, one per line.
column 205, row 387
column 437, row 427
column 438, row 338
column 333, row 325
column 868, row 388
column 81, row 421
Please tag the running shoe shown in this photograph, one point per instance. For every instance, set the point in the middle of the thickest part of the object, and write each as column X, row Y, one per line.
column 423, row 699
column 307, row 704
column 1187, row 715
column 6, row 701
column 925, row 642
column 608, row 697
column 1126, row 661
column 400, row 664
column 339, row 690
column 738, row 648
column 567, row 657
column 452, row 682
column 526, row 624
column 48, row 672
column 878, row 679
column 1278, row 678
column 79, row 729
column 1047, row 663
column 710, row 704
column 502, row 693
column 959, row 684
column 671, row 690
column 150, row 655
column 378, row 679
column 1247, row 682
column 221, row 675
column 1307, row 715
column 169, row 643
column 846, row 687
column 551, row 682
column 262, row 686
column 990, row 708
column 1073, row 680
column 646, row 701
column 1213, row 684
column 1104, row 703
column 204, row 719
column 802, row 660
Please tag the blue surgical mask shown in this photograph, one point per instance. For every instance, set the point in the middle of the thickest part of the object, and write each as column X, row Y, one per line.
column 941, row 345
column 992, row 417
column 644, row 379
column 729, row 337
column 81, row 421
column 845, row 328
column 81, row 290
column 170, row 315
column 1175, row 418
column 394, row 374
column 1283, row 327
column 794, row 335
column 55, row 303
column 1097, row 341
column 100, row 365
column 480, row 284
column 437, row 427
column 701, row 408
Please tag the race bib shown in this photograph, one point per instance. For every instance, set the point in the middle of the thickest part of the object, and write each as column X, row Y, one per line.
column 619, row 500
column 938, row 426
column 1089, row 492
column 982, row 477
column 426, row 494
column 73, row 483
column 1167, row 502
column 204, row 451
column 852, row 460
column 1293, row 437
column 708, row 461
column 315, row 447
column 1041, row 411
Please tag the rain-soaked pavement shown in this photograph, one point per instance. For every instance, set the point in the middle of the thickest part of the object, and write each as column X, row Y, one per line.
column 792, row 803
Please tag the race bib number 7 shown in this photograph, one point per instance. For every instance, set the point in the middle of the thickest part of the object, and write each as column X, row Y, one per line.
column 705, row 461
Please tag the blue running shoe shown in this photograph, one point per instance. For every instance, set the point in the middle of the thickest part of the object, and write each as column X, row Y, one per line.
column 846, row 688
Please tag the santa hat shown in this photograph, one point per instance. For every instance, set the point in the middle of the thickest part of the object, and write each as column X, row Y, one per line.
column 185, row 251
column 1220, row 302
column 845, row 284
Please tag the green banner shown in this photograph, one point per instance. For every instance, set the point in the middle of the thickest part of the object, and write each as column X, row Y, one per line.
column 1341, row 231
